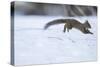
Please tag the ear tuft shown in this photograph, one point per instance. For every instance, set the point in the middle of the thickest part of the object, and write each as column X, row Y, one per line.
column 87, row 24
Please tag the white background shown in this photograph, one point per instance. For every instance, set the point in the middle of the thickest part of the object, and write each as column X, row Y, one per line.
column 5, row 33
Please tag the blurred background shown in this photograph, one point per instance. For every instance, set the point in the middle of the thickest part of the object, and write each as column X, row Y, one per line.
column 31, row 8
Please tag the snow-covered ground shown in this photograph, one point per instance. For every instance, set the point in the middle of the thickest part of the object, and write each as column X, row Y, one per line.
column 34, row 45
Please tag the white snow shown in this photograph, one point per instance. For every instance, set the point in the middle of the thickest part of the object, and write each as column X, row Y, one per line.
column 34, row 45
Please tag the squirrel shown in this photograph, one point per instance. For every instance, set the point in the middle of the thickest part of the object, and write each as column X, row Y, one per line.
column 71, row 23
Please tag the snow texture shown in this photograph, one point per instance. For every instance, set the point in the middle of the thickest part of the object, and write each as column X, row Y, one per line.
column 34, row 45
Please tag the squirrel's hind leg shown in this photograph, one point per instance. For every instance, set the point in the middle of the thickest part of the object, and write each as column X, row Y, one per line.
column 65, row 26
column 68, row 26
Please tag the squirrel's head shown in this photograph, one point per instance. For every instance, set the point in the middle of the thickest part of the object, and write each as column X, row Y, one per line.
column 86, row 24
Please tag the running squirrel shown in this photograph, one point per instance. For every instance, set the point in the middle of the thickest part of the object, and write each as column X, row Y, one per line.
column 71, row 23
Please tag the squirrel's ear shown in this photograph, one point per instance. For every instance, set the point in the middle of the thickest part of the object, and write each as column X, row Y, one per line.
column 87, row 24
column 86, row 21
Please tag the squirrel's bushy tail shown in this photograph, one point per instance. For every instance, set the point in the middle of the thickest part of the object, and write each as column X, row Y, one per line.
column 54, row 22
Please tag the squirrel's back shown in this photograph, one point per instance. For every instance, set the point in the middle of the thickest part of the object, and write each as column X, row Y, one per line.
column 72, row 22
